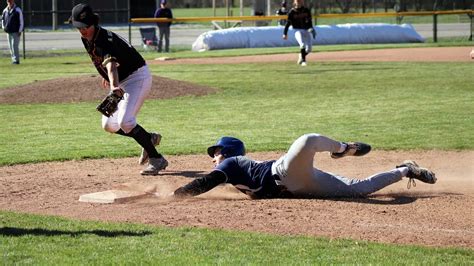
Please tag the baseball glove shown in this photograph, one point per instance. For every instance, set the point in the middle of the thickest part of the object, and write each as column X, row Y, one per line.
column 313, row 32
column 109, row 104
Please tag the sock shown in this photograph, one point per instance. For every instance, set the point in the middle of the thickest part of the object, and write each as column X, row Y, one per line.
column 403, row 170
column 143, row 138
column 303, row 54
column 342, row 148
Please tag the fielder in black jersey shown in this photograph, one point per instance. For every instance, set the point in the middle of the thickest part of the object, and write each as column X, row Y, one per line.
column 300, row 18
column 125, row 72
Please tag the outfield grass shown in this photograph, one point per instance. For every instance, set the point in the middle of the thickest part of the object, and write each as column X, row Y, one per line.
column 43, row 240
column 392, row 105
column 182, row 51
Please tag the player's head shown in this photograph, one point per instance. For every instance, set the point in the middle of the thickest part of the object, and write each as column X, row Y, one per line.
column 228, row 147
column 283, row 4
column 163, row 2
column 298, row 3
column 83, row 17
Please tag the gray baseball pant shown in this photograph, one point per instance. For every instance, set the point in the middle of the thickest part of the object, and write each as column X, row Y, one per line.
column 298, row 174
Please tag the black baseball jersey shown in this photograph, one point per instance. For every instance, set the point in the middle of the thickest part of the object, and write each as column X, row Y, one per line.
column 299, row 18
column 107, row 46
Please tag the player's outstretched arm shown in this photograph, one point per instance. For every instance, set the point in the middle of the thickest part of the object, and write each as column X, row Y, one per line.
column 201, row 185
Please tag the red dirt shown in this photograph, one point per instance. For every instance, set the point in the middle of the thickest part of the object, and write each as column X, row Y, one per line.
column 431, row 215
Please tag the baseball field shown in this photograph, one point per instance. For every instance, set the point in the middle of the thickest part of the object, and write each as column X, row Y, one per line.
column 408, row 103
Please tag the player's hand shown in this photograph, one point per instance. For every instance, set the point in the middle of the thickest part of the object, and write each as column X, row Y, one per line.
column 313, row 32
column 165, row 195
column 105, row 83
column 285, row 37
column 118, row 91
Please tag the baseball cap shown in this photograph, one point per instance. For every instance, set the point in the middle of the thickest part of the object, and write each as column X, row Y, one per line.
column 83, row 16
column 163, row 2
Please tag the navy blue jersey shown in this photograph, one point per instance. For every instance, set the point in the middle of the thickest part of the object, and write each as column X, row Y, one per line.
column 107, row 46
column 249, row 176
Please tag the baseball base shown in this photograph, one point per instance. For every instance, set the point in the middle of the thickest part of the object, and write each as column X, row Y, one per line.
column 112, row 196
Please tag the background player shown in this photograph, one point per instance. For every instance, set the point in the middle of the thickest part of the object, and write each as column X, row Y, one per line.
column 125, row 72
column 163, row 27
column 300, row 18
column 293, row 173
column 282, row 11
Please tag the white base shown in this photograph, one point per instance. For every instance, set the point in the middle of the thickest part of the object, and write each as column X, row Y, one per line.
column 112, row 196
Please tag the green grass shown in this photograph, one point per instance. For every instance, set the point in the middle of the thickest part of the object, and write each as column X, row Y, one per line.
column 69, row 56
column 45, row 240
column 392, row 105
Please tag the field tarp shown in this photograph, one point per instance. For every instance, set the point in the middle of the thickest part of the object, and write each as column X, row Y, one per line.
column 256, row 37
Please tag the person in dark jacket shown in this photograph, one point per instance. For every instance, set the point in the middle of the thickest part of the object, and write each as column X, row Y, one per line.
column 12, row 24
column 163, row 27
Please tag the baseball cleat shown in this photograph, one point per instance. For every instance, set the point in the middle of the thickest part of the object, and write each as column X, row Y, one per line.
column 352, row 149
column 155, row 139
column 155, row 165
column 417, row 172
column 303, row 63
column 300, row 60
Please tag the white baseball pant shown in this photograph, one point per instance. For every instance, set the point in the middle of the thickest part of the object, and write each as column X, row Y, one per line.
column 137, row 86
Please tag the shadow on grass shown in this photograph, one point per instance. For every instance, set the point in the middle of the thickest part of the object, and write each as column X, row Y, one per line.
column 13, row 231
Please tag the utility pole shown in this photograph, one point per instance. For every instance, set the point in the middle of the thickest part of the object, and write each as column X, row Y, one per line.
column 54, row 5
column 129, row 19
column 214, row 7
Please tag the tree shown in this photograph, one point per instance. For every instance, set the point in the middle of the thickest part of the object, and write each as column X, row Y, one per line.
column 345, row 6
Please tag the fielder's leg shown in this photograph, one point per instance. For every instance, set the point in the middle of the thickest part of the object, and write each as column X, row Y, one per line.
column 296, row 166
column 299, row 39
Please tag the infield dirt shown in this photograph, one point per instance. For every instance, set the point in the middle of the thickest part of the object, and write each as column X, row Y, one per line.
column 432, row 215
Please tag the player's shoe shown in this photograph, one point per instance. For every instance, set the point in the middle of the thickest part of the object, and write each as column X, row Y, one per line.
column 303, row 63
column 155, row 139
column 352, row 149
column 300, row 59
column 155, row 165
column 417, row 172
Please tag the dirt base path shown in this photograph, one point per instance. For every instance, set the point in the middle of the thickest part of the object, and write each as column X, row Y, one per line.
column 433, row 215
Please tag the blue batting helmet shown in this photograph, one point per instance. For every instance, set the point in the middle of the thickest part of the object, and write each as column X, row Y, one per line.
column 229, row 146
